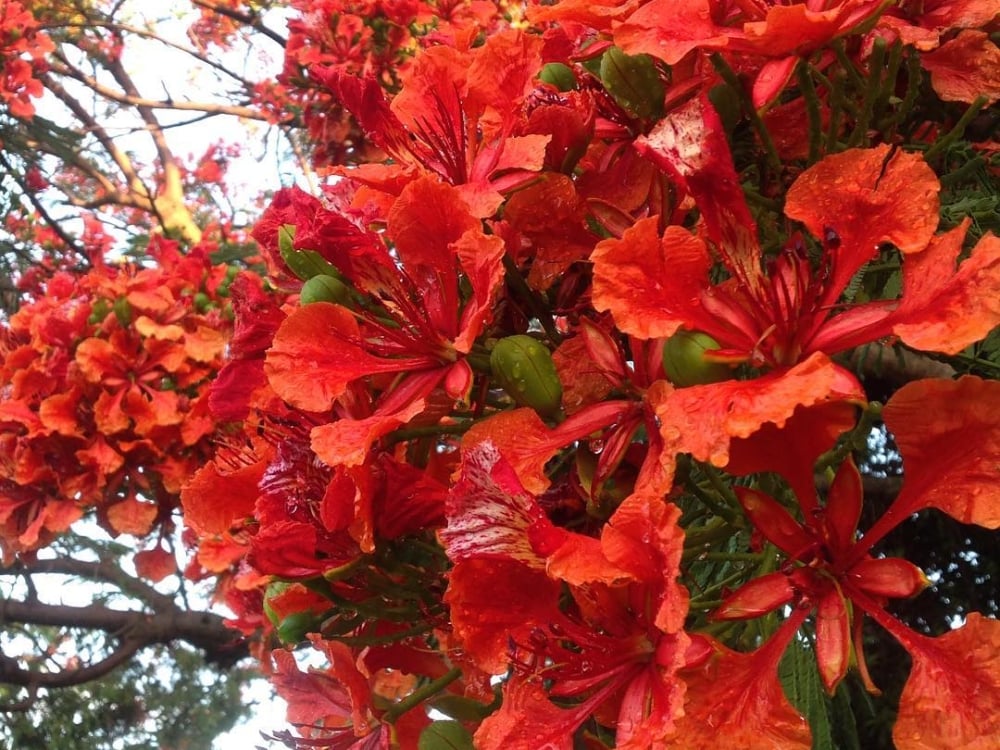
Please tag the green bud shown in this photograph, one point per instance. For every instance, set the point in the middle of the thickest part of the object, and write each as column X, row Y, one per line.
column 634, row 82
column 295, row 626
column 559, row 75
column 303, row 263
column 202, row 302
column 99, row 311
column 524, row 368
column 123, row 311
column 685, row 363
column 324, row 288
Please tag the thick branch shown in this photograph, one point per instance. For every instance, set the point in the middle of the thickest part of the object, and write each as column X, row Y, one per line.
column 136, row 630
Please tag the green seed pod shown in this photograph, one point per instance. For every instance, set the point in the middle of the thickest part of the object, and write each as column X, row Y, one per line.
column 634, row 82
column 684, row 360
column 559, row 75
column 324, row 288
column 524, row 368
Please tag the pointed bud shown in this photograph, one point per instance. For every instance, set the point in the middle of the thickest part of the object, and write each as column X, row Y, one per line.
column 775, row 523
column 756, row 598
column 890, row 577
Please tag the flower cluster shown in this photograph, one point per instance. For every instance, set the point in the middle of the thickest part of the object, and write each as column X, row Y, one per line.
column 560, row 401
column 22, row 46
column 103, row 394
column 376, row 39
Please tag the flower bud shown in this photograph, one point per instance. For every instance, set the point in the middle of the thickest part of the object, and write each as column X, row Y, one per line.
column 685, row 363
column 559, row 75
column 524, row 368
column 324, row 288
column 890, row 577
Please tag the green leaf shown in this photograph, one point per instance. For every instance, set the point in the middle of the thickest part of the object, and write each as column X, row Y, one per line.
column 634, row 82
column 800, row 678
column 460, row 707
column 445, row 735
column 303, row 263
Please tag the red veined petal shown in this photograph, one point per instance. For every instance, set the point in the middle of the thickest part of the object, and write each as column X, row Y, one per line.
column 868, row 197
column 527, row 718
column 336, row 696
column 952, row 697
column 579, row 362
column 347, row 442
column 735, row 700
column 131, row 516
column 155, row 564
column 214, row 501
column 668, row 30
column 481, row 259
column 644, row 538
column 948, row 433
column 493, row 601
column 651, row 285
column 552, row 217
column 701, row 420
column 792, row 450
column 316, row 353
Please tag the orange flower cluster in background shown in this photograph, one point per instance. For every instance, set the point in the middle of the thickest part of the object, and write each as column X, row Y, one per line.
column 103, row 394
column 559, row 401
column 22, row 46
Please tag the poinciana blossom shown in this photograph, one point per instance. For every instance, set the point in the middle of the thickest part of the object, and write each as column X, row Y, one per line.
column 620, row 640
column 784, row 313
column 829, row 569
column 454, row 118
column 104, row 395
column 418, row 323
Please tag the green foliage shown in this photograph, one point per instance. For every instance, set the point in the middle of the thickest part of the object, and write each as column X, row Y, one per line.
column 168, row 698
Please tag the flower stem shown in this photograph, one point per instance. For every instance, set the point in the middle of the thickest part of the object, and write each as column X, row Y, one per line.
column 421, row 694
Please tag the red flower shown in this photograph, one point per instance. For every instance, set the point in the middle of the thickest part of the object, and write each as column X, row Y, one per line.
column 783, row 313
column 454, row 118
column 829, row 568
column 620, row 639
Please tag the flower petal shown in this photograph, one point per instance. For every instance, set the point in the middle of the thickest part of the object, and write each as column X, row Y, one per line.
column 701, row 420
column 952, row 697
column 948, row 433
column 651, row 285
column 867, row 197
column 965, row 68
column 945, row 310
